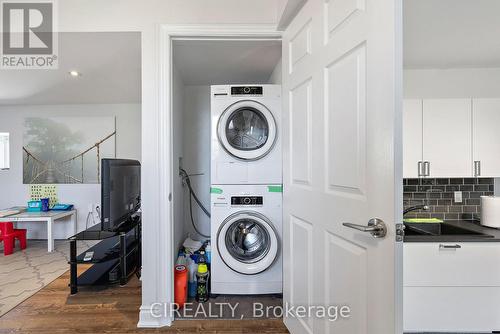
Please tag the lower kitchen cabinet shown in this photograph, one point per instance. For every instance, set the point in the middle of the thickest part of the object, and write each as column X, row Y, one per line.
column 451, row 287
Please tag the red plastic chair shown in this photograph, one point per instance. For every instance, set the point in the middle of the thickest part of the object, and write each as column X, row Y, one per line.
column 8, row 235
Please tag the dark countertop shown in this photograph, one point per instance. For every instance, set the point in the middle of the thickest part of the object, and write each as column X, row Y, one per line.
column 458, row 238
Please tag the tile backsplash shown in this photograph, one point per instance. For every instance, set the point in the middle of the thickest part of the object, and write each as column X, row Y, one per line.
column 439, row 195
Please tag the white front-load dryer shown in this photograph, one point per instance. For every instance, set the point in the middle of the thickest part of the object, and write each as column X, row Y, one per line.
column 246, row 136
column 246, row 232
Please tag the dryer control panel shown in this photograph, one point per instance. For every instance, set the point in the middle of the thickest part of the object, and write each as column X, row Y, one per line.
column 247, row 200
column 246, row 90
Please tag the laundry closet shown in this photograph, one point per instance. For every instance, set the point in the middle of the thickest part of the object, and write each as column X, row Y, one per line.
column 227, row 170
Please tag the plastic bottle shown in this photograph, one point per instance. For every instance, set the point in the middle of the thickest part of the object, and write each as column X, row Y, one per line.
column 208, row 251
column 192, row 269
column 202, row 283
column 202, row 257
column 181, row 259
column 180, row 281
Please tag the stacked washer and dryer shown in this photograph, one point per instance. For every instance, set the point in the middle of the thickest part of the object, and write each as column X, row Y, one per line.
column 246, row 189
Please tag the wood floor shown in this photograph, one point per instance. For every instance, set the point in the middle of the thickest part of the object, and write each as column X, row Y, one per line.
column 113, row 310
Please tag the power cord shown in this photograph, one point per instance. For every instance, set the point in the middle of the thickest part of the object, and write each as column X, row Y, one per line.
column 89, row 215
column 187, row 181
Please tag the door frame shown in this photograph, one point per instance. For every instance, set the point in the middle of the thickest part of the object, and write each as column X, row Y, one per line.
column 158, row 254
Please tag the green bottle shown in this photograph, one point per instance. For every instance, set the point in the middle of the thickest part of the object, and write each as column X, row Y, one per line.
column 202, row 280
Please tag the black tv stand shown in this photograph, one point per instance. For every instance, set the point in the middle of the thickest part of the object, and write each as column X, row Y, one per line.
column 116, row 257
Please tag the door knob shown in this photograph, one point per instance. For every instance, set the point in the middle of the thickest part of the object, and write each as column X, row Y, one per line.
column 376, row 227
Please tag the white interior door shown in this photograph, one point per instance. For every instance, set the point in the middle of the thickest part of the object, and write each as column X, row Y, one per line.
column 343, row 164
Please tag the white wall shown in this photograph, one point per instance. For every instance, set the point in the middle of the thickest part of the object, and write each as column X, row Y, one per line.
column 276, row 76
column 194, row 147
column 451, row 83
column 197, row 155
column 14, row 192
column 144, row 16
column 177, row 152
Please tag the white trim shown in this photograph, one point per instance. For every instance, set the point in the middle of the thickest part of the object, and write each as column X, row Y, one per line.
column 289, row 11
column 156, row 275
column 157, row 250
column 146, row 319
column 232, row 31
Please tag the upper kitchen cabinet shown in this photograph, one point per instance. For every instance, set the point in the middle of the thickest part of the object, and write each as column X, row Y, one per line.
column 447, row 137
column 486, row 137
column 412, row 138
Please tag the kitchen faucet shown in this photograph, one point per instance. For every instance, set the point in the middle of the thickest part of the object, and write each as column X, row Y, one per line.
column 416, row 207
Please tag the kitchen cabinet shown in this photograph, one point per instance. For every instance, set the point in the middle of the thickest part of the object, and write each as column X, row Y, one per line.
column 412, row 138
column 447, row 137
column 451, row 287
column 437, row 138
column 486, row 137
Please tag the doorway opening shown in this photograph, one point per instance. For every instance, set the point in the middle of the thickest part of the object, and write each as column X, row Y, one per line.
column 226, row 98
column 451, row 91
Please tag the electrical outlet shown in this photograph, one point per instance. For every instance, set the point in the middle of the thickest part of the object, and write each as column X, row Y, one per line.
column 458, row 197
column 98, row 211
column 93, row 207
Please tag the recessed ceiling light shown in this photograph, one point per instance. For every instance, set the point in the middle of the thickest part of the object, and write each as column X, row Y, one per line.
column 75, row 73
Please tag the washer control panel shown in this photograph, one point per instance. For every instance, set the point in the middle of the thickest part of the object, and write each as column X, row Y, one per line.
column 246, row 90
column 247, row 200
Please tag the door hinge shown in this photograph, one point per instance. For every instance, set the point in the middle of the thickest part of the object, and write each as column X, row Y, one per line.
column 400, row 232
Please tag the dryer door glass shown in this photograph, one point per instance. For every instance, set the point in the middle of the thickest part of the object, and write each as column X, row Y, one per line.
column 247, row 240
column 247, row 129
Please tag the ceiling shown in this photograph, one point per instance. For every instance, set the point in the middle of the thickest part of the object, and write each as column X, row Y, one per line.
column 212, row 62
column 110, row 66
column 451, row 33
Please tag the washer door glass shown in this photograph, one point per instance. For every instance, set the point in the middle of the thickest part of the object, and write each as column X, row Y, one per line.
column 247, row 240
column 247, row 129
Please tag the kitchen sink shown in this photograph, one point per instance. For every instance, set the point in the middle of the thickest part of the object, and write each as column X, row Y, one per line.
column 441, row 229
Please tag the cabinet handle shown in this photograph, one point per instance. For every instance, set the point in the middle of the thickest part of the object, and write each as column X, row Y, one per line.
column 420, row 171
column 477, row 168
column 443, row 246
column 427, row 168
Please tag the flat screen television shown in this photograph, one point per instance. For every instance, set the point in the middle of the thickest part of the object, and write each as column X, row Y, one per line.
column 120, row 191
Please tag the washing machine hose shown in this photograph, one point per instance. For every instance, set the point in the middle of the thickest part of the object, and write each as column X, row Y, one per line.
column 192, row 194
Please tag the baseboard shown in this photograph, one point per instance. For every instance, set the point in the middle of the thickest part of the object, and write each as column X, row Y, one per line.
column 246, row 288
column 147, row 320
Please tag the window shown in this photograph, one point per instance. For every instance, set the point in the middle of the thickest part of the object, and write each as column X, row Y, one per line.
column 4, row 151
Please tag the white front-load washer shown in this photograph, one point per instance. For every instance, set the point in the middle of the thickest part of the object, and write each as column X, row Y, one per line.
column 246, row 231
column 246, row 138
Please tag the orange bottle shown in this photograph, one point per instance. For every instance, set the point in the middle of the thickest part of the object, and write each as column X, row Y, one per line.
column 180, row 281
